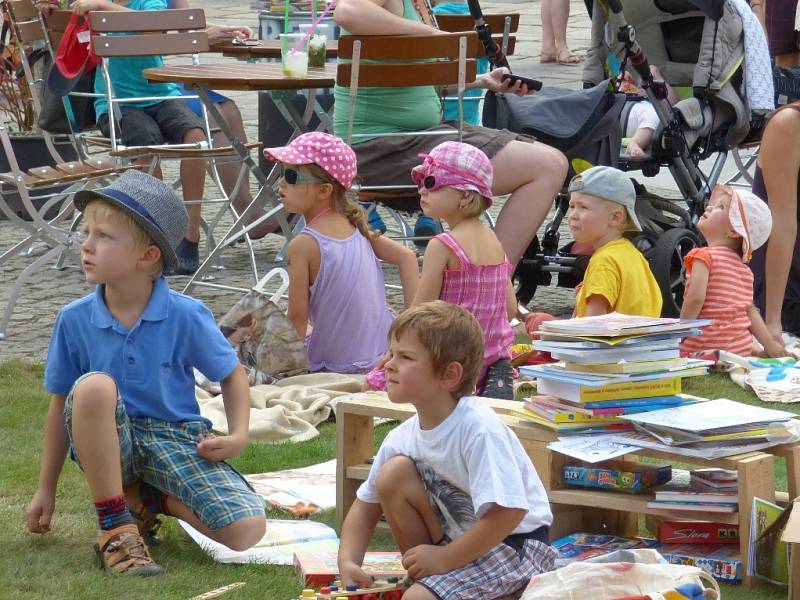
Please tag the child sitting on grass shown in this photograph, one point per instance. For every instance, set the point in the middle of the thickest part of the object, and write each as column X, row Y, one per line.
column 602, row 206
column 467, row 265
column 120, row 368
column 335, row 279
column 719, row 282
column 461, row 496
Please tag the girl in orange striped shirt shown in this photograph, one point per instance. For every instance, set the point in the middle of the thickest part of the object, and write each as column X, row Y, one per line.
column 719, row 282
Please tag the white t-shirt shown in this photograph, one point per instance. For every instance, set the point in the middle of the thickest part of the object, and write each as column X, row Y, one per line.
column 642, row 114
column 468, row 462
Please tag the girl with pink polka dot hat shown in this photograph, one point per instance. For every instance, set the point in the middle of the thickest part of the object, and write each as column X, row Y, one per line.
column 337, row 298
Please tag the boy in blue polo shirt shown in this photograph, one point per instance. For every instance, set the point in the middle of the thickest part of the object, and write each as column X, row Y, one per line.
column 120, row 368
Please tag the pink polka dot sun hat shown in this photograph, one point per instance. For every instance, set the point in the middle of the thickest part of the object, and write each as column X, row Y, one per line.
column 329, row 152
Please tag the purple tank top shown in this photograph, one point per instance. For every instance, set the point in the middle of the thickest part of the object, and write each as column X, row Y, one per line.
column 347, row 306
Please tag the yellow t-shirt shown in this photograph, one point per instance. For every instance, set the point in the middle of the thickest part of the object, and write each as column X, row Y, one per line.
column 620, row 273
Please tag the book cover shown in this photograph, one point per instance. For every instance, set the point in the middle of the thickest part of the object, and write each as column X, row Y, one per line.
column 628, row 366
column 658, row 402
column 530, row 418
column 769, row 555
column 697, row 532
column 614, row 391
column 716, row 478
column 623, row 476
column 720, row 561
column 316, row 569
column 616, row 324
column 695, row 493
column 569, row 416
column 604, row 356
column 580, row 546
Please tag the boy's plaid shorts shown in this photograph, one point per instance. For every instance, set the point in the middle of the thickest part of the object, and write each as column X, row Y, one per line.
column 502, row 571
column 164, row 455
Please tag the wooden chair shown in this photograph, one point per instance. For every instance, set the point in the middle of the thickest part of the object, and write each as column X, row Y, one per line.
column 404, row 61
column 503, row 26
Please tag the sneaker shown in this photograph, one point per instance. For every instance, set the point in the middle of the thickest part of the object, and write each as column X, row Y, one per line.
column 374, row 219
column 426, row 227
column 123, row 551
column 188, row 257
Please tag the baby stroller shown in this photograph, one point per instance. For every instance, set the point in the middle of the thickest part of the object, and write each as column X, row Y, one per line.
column 698, row 45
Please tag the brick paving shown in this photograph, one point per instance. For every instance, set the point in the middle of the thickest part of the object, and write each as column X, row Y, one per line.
column 49, row 289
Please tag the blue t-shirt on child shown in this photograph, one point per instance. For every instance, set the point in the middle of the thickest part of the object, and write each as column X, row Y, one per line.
column 472, row 115
column 152, row 363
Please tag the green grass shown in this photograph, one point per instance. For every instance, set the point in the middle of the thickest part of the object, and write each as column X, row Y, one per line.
column 61, row 563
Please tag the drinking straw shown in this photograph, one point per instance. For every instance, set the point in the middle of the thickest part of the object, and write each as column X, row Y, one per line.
column 313, row 11
column 314, row 23
column 285, row 25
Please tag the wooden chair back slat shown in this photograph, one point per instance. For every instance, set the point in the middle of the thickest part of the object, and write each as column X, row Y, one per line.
column 408, row 47
column 23, row 10
column 56, row 23
column 496, row 22
column 147, row 44
column 498, row 39
column 105, row 21
column 403, row 75
column 30, row 31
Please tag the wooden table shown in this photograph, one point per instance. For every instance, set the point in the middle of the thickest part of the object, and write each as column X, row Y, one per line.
column 267, row 77
column 574, row 509
column 264, row 49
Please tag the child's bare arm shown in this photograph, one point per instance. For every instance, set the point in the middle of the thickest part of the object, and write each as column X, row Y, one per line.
column 488, row 531
column 597, row 305
column 298, row 255
column 357, row 529
column 236, row 398
column 433, row 265
column 395, row 253
column 759, row 329
column 512, row 306
column 695, row 295
column 40, row 510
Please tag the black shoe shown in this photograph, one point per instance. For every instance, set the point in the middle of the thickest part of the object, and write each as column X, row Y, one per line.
column 188, row 257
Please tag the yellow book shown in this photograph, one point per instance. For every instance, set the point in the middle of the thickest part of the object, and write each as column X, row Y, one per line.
column 567, row 416
column 529, row 417
column 668, row 386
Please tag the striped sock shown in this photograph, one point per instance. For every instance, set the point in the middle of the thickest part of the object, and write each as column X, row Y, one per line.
column 113, row 512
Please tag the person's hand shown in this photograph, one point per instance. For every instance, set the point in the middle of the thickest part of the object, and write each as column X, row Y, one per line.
column 216, row 448
column 773, row 349
column 84, row 6
column 39, row 512
column 776, row 331
column 493, row 81
column 46, row 6
column 218, row 34
column 350, row 572
column 424, row 560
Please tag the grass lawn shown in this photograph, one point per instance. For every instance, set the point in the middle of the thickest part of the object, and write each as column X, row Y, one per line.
column 61, row 563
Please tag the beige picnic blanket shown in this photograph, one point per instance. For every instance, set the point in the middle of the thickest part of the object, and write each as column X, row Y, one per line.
column 287, row 411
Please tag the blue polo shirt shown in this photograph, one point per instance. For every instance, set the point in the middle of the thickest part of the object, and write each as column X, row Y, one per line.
column 152, row 363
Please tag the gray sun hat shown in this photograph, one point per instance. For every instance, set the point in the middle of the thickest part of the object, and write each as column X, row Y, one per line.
column 609, row 184
column 151, row 203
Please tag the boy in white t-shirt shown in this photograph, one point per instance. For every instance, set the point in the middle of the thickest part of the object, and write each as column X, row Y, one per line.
column 460, row 494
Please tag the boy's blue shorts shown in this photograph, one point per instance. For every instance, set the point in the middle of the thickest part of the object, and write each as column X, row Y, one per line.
column 164, row 455
column 196, row 105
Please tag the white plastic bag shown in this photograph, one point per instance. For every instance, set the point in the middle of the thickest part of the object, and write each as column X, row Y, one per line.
column 608, row 581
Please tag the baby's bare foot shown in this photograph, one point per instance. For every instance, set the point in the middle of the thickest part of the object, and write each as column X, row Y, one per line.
column 635, row 150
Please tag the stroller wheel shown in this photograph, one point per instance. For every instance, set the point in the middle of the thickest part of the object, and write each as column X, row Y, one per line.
column 666, row 262
column 528, row 274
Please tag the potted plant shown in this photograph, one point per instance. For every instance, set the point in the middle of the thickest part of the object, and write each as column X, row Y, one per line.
column 17, row 108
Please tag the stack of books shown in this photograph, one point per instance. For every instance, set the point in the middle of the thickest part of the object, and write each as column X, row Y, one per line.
column 611, row 366
column 695, row 497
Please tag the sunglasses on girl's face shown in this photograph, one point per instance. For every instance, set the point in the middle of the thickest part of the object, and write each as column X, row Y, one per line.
column 294, row 177
column 429, row 183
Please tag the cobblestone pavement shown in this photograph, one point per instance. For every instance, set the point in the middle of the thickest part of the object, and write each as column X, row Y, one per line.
column 47, row 290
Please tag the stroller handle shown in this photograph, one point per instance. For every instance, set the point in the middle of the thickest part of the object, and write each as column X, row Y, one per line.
column 615, row 6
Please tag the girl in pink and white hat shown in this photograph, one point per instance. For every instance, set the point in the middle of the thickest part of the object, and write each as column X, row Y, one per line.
column 335, row 281
column 719, row 281
column 467, row 265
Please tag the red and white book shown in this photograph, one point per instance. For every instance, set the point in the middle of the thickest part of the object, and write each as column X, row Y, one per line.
column 697, row 532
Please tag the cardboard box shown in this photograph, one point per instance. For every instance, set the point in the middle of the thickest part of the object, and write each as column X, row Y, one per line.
column 621, row 476
column 721, row 562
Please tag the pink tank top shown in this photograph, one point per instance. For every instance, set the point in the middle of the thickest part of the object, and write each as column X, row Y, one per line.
column 482, row 290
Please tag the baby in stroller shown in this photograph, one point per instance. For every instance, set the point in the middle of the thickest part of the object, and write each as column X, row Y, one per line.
column 639, row 118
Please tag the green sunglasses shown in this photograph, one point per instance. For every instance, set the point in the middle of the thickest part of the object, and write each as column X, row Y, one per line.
column 294, row 177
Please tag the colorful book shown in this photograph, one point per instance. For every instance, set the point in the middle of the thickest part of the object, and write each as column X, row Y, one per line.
column 769, row 555
column 629, row 367
column 716, row 478
column 318, row 569
column 697, row 532
column 580, row 546
column 694, row 506
column 570, row 416
column 603, row 356
column 530, row 418
column 658, row 402
column 723, row 562
column 615, row 391
column 695, row 493
column 616, row 324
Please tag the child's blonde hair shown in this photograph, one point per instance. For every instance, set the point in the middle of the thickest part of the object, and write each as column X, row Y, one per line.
column 449, row 333
column 343, row 204
column 475, row 206
column 99, row 211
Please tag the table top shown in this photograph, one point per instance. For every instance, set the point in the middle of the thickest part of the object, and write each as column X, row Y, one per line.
column 265, row 49
column 243, row 76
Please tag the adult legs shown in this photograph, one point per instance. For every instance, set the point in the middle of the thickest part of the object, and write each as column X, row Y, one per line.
column 193, row 181
column 532, row 173
column 555, row 14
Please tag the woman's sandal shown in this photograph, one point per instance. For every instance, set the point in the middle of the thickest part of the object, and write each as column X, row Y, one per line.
column 565, row 56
